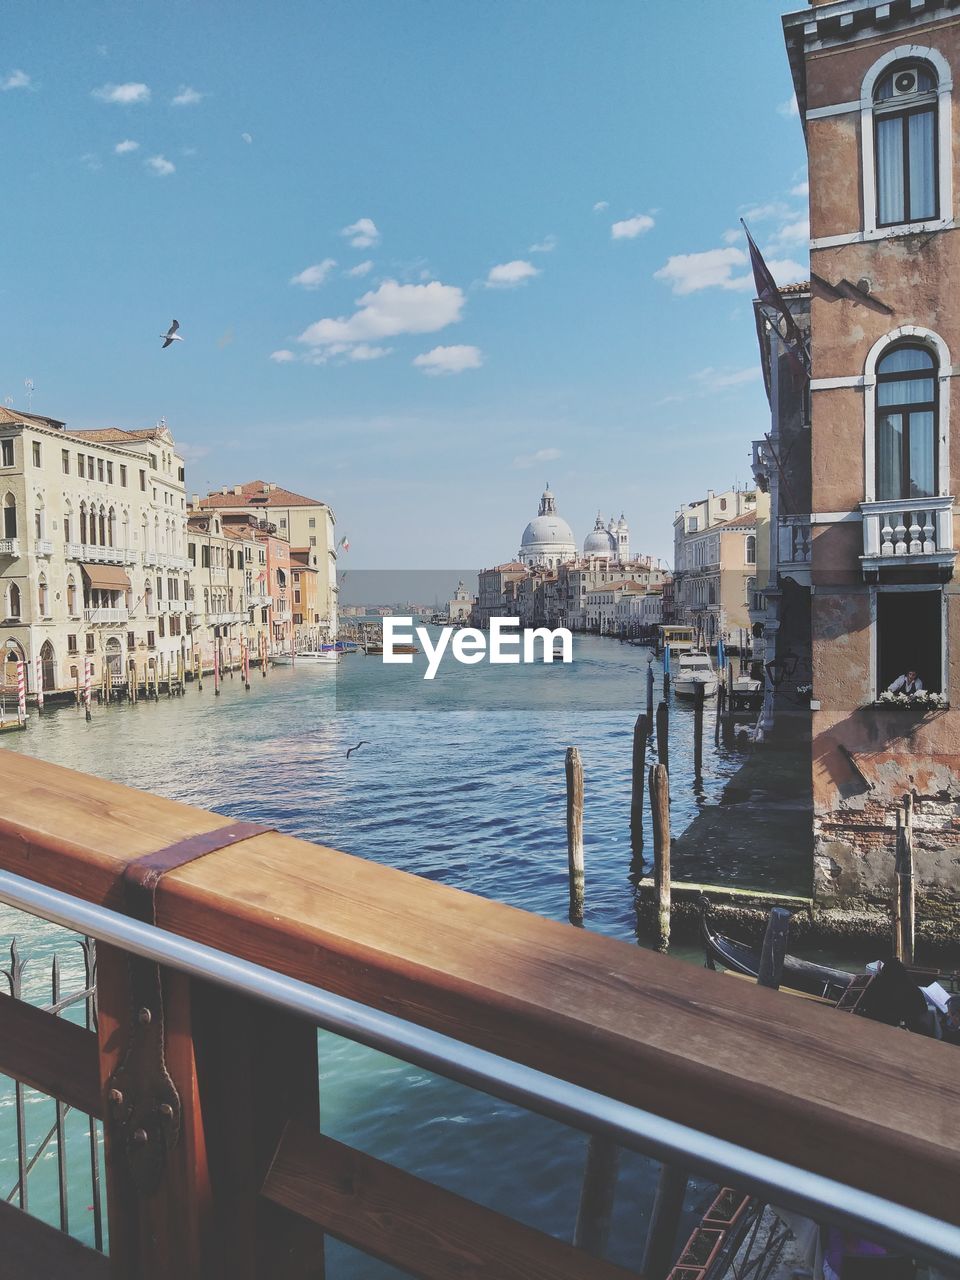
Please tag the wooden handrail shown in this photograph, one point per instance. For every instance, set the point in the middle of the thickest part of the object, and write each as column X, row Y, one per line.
column 867, row 1105
column 50, row 1054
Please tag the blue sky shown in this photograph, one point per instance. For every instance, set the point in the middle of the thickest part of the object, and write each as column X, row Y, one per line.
column 546, row 194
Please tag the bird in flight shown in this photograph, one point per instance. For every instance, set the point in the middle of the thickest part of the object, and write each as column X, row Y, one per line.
column 350, row 750
column 171, row 335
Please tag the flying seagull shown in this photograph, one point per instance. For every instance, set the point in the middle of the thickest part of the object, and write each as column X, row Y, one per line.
column 171, row 335
column 350, row 750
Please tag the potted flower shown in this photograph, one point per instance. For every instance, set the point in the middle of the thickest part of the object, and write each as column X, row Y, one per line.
column 804, row 693
column 922, row 700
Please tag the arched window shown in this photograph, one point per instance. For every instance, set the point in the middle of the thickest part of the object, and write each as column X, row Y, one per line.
column 83, row 523
column 751, row 549
column 905, row 142
column 906, row 423
column 13, row 601
column 111, row 527
column 9, row 516
column 71, row 596
column 42, row 594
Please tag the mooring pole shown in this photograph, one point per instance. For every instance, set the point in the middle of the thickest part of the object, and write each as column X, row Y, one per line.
column 699, row 696
column 663, row 734
column 574, row 772
column 904, row 921
column 660, row 812
column 637, row 778
column 650, row 697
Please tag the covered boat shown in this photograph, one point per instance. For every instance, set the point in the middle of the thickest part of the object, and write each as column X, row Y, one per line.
column 693, row 669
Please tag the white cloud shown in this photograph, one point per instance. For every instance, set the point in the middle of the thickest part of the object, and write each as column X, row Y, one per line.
column 507, row 275
column 313, row 277
column 715, row 380
column 124, row 94
column 361, row 269
column 525, row 460
column 689, row 272
column 787, row 271
column 161, row 166
column 362, row 234
column 789, row 108
column 390, row 310
column 283, row 356
column 363, row 351
column 449, row 360
column 91, row 161
column 186, row 97
column 15, row 80
column 630, row 228
column 601, row 205
column 801, row 189
column 546, row 245
column 733, row 236
column 793, row 233
column 766, row 212
column 246, row 137
column 128, row 145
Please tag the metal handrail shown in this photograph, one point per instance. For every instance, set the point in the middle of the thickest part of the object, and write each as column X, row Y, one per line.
column 811, row 1194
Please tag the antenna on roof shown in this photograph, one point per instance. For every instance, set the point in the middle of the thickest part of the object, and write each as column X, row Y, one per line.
column 28, row 383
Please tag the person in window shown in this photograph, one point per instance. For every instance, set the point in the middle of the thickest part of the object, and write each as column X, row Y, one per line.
column 908, row 683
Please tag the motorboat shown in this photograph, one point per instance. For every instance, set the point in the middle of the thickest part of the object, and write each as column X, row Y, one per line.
column 327, row 656
column 694, row 669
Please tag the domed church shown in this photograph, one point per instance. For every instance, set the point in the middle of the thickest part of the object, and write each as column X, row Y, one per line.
column 611, row 541
column 547, row 540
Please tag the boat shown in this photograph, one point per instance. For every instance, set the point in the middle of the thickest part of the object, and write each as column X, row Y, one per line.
column 694, row 668
column 679, row 639
column 740, row 957
column 325, row 656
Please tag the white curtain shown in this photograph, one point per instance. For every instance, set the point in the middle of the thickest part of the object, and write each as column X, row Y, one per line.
column 921, row 455
column 889, row 456
column 890, row 169
column 921, row 142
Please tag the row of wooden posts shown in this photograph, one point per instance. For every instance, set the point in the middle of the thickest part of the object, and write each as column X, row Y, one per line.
column 658, row 781
column 170, row 675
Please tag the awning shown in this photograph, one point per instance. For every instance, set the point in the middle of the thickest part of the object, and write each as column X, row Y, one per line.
column 106, row 577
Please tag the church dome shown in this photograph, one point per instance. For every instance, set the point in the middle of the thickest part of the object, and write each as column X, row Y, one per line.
column 548, row 539
column 600, row 542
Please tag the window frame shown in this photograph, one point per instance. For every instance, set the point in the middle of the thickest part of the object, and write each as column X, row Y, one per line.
column 925, row 102
column 906, row 411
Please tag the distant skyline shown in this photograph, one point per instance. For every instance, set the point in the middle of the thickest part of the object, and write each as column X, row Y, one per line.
column 425, row 256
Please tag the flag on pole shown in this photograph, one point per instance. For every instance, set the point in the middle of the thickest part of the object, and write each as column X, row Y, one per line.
column 344, row 543
column 770, row 296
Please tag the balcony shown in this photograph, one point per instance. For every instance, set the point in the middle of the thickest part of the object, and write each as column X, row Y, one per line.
column 794, row 543
column 100, row 555
column 9, row 546
column 915, row 533
column 106, row 617
column 43, row 547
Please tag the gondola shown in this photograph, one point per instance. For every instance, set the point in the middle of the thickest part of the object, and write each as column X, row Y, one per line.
column 740, row 957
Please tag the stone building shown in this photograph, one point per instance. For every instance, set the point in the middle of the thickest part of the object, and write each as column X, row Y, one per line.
column 93, row 563
column 460, row 608
column 715, row 563
column 300, row 522
column 547, row 540
column 874, row 85
column 227, row 602
column 493, row 588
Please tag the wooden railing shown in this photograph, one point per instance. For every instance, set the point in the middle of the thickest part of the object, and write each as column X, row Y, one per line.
column 252, row 1185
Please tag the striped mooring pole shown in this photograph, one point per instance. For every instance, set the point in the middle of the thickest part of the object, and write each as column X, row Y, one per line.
column 86, row 688
column 21, row 693
column 39, row 669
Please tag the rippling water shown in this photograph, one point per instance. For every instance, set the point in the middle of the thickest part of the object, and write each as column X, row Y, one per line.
column 457, row 783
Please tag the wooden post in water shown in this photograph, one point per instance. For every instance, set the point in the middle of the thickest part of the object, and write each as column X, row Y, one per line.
column 699, row 695
column 660, row 812
column 596, row 1196
column 650, row 697
column 774, row 948
column 216, row 665
column 663, row 734
column 721, row 709
column 666, row 670
column 198, row 655
column 658, row 1255
column 574, row 772
column 638, row 774
column 904, row 908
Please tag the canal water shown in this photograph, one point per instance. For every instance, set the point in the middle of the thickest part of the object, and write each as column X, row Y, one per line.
column 460, row 780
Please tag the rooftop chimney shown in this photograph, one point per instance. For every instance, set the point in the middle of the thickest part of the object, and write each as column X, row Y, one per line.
column 225, row 490
column 195, row 500
column 237, row 490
